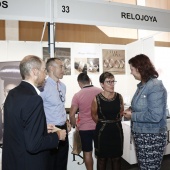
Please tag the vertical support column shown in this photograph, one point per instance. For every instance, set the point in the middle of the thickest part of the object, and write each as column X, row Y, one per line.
column 51, row 30
column 11, row 30
column 51, row 38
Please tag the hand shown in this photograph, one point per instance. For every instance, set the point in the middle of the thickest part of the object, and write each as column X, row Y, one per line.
column 61, row 134
column 50, row 128
column 127, row 113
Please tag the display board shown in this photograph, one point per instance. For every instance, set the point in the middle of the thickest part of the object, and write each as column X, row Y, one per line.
column 104, row 13
column 90, row 12
column 32, row 10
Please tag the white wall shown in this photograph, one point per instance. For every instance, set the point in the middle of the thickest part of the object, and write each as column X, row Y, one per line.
column 162, row 61
column 126, row 84
column 144, row 46
column 16, row 50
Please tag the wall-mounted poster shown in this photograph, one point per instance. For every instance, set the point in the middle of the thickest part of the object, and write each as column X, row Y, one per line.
column 114, row 61
column 64, row 54
column 86, row 65
column 93, row 65
column 80, row 65
column 86, row 58
column 9, row 78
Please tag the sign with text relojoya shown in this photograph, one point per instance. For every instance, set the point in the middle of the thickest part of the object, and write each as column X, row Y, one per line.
column 100, row 12
column 89, row 12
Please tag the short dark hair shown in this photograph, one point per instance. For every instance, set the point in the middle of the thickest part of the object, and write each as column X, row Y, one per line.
column 83, row 78
column 105, row 75
column 51, row 61
column 144, row 66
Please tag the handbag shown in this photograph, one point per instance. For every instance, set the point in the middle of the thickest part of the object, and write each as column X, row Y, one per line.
column 77, row 148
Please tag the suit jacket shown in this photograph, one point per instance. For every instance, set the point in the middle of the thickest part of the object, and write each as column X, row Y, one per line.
column 26, row 141
column 1, row 126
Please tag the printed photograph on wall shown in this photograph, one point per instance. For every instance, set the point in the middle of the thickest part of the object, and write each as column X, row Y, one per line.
column 92, row 65
column 80, row 65
column 114, row 61
column 9, row 78
column 64, row 54
column 86, row 65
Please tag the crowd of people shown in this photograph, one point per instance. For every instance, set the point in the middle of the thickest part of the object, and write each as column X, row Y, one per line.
column 35, row 132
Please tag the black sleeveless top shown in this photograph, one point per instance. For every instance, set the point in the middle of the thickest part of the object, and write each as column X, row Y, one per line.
column 108, row 132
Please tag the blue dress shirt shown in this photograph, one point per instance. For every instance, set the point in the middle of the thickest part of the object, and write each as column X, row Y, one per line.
column 53, row 96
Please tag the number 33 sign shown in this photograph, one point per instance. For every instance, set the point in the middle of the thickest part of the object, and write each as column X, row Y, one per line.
column 65, row 9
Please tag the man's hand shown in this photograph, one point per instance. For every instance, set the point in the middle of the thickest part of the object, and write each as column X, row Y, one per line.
column 61, row 134
column 50, row 128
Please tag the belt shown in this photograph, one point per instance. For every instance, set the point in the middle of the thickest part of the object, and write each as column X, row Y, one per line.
column 61, row 126
column 109, row 121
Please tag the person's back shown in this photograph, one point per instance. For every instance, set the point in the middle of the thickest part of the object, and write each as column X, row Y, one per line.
column 84, row 99
column 16, row 153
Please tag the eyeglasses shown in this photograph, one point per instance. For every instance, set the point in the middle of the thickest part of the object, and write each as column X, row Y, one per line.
column 111, row 82
column 61, row 96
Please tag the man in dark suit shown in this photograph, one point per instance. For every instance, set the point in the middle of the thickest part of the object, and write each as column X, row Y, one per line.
column 26, row 141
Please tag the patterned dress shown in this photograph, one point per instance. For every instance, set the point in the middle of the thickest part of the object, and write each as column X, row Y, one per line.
column 109, row 133
column 149, row 150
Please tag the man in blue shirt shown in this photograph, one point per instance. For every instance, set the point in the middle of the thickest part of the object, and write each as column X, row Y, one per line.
column 53, row 95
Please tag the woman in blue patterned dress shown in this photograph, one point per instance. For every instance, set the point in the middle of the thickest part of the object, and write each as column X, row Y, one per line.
column 148, row 114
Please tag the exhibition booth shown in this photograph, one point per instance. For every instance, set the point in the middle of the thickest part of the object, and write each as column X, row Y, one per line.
column 97, row 57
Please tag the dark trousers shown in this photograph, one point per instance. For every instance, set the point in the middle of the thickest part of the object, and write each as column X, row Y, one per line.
column 58, row 157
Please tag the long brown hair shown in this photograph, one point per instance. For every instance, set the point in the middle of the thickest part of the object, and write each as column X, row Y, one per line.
column 144, row 66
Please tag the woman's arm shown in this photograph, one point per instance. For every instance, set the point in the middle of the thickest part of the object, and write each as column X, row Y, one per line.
column 121, row 106
column 94, row 110
column 155, row 101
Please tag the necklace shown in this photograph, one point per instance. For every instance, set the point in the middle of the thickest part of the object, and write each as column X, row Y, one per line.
column 108, row 96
